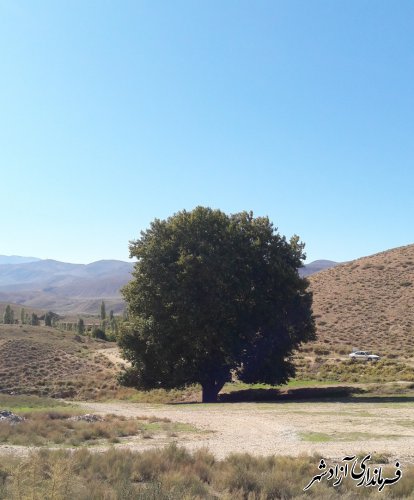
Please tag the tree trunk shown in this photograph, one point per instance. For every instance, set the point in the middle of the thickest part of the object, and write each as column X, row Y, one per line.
column 210, row 391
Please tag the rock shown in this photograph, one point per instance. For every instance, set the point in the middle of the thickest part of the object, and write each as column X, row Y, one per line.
column 11, row 418
column 89, row 417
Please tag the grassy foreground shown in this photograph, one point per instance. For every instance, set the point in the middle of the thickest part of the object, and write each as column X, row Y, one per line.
column 174, row 473
column 48, row 422
column 60, row 428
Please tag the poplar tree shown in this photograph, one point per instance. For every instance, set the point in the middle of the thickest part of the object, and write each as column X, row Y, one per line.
column 81, row 326
column 103, row 311
column 8, row 316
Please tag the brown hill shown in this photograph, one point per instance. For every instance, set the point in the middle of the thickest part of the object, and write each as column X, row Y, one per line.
column 366, row 304
column 316, row 266
column 45, row 361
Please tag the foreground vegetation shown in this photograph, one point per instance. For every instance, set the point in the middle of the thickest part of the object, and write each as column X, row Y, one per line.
column 173, row 473
column 47, row 422
column 61, row 428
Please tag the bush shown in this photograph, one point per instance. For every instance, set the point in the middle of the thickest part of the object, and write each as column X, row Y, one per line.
column 98, row 333
column 321, row 351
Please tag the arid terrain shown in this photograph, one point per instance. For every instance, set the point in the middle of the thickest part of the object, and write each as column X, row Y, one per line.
column 331, row 429
column 47, row 362
column 235, row 448
column 368, row 303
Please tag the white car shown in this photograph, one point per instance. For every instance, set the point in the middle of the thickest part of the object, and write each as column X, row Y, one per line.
column 363, row 356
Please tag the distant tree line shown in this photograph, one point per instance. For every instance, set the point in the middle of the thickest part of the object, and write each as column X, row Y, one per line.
column 25, row 318
column 104, row 327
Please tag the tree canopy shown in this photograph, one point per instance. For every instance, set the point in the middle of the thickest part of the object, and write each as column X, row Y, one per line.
column 214, row 294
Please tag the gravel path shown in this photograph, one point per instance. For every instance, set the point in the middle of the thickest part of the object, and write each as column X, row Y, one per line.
column 331, row 429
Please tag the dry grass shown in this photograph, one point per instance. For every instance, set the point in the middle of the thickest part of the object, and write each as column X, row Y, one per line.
column 60, row 428
column 48, row 422
column 366, row 304
column 174, row 473
column 44, row 361
column 47, row 362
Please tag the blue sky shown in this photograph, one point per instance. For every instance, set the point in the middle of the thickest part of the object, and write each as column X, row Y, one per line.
column 114, row 113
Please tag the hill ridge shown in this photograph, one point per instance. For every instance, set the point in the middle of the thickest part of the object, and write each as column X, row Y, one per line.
column 367, row 300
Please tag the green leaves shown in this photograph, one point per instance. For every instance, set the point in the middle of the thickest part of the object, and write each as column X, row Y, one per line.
column 213, row 293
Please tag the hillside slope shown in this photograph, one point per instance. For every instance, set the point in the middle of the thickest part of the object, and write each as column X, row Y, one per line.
column 369, row 302
column 316, row 266
column 45, row 361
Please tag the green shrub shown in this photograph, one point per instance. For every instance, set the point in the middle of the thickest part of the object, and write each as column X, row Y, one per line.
column 98, row 333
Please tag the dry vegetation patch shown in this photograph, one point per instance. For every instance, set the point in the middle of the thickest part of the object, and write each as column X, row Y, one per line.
column 367, row 303
column 63, row 428
column 43, row 429
column 47, row 422
column 47, row 362
column 173, row 473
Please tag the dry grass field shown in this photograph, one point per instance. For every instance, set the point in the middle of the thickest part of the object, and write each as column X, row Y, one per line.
column 48, row 362
column 332, row 428
column 45, row 423
column 254, row 451
column 175, row 474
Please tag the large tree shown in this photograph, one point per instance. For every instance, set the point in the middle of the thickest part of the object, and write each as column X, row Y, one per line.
column 211, row 295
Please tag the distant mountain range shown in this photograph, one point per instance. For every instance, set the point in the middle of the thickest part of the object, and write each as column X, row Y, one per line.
column 316, row 266
column 16, row 259
column 63, row 287
column 75, row 288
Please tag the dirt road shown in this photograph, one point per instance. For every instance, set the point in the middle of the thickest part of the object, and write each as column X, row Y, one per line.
column 331, row 429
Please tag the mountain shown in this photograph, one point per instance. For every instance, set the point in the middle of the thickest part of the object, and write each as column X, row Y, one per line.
column 368, row 303
column 16, row 259
column 316, row 266
column 64, row 287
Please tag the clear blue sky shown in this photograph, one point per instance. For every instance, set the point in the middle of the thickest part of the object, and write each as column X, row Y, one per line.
column 113, row 113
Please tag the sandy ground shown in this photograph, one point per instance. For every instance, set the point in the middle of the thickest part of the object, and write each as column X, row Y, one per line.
column 283, row 428
column 114, row 356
